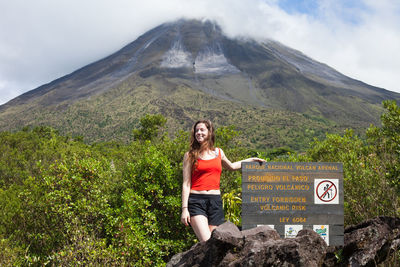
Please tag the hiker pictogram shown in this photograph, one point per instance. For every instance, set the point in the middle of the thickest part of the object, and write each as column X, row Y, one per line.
column 326, row 191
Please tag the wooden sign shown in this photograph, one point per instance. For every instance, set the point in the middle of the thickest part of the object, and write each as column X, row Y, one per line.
column 290, row 196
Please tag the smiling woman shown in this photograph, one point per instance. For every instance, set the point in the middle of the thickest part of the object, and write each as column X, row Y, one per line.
column 202, row 167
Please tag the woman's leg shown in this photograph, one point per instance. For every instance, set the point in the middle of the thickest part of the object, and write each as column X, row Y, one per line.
column 200, row 227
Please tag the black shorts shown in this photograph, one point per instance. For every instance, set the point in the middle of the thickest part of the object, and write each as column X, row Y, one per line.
column 207, row 205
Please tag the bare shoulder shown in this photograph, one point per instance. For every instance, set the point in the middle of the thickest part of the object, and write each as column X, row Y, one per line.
column 222, row 153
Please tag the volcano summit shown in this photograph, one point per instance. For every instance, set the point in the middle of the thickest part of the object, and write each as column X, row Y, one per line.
column 188, row 70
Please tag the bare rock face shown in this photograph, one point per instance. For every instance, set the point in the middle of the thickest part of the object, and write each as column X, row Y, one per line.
column 225, row 239
column 366, row 244
column 307, row 249
column 260, row 246
column 371, row 242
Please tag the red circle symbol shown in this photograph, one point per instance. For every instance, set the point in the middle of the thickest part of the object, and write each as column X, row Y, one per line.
column 329, row 191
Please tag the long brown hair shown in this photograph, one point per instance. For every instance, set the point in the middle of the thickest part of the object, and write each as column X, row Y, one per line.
column 195, row 147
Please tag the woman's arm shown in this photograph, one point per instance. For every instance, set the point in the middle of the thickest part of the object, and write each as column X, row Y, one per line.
column 187, row 173
column 227, row 164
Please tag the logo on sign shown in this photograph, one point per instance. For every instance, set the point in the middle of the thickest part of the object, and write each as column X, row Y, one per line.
column 292, row 230
column 323, row 231
column 326, row 191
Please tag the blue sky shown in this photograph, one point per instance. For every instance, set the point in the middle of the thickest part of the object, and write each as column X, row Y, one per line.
column 313, row 8
column 43, row 40
column 299, row 6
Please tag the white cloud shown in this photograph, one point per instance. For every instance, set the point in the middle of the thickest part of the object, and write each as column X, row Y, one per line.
column 42, row 40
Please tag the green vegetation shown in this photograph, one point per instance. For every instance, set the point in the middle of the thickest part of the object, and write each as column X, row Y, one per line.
column 67, row 203
column 114, row 114
column 371, row 166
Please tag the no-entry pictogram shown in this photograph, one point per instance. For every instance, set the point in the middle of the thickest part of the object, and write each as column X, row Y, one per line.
column 326, row 191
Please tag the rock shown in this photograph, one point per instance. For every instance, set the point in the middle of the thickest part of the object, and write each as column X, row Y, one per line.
column 228, row 235
column 307, row 249
column 192, row 257
column 366, row 244
column 371, row 242
column 224, row 239
column 331, row 256
column 260, row 233
column 260, row 246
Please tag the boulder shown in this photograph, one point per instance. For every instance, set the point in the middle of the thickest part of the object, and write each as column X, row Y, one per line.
column 366, row 244
column 224, row 239
column 307, row 249
column 371, row 242
column 260, row 246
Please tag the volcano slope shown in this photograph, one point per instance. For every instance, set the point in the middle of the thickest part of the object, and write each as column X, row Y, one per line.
column 189, row 69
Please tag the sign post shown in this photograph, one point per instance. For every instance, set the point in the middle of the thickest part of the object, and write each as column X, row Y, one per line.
column 290, row 196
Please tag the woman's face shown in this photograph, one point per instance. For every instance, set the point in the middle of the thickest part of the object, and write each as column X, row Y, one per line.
column 201, row 132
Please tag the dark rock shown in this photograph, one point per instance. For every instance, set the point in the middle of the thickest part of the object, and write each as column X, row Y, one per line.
column 332, row 256
column 366, row 244
column 260, row 246
column 225, row 239
column 228, row 234
column 187, row 258
column 260, row 233
column 371, row 242
column 307, row 249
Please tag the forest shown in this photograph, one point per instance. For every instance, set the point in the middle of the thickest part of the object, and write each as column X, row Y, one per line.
column 65, row 202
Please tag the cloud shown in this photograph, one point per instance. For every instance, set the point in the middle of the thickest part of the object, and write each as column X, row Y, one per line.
column 42, row 40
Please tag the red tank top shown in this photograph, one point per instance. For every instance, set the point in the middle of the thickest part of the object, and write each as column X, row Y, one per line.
column 207, row 173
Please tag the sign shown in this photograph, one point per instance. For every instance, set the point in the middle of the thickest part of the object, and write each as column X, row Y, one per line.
column 326, row 191
column 323, row 231
column 290, row 196
column 291, row 231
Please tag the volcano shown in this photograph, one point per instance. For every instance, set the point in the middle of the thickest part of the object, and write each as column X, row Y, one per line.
column 189, row 69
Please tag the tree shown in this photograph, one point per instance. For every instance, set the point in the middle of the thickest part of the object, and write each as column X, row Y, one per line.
column 371, row 166
column 150, row 127
column 385, row 144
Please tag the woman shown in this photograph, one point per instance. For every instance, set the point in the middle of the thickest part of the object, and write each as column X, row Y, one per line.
column 202, row 166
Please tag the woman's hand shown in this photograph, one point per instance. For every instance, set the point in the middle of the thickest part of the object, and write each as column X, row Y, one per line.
column 227, row 164
column 185, row 217
column 258, row 160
